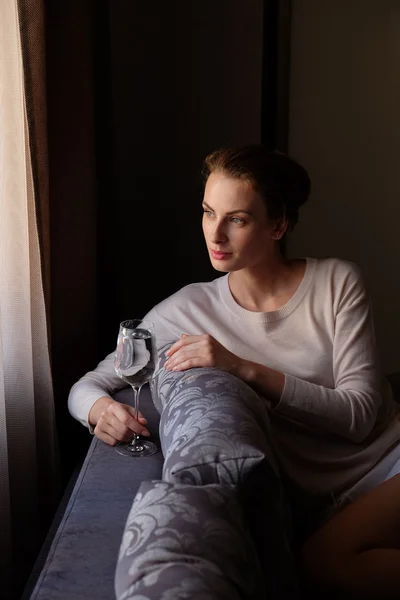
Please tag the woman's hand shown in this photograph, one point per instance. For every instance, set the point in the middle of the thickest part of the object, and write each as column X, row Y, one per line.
column 201, row 351
column 115, row 422
column 204, row 351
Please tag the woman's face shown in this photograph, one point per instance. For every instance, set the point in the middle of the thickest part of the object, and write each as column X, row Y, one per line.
column 236, row 227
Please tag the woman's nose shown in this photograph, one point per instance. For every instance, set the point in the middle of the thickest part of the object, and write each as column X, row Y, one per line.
column 218, row 234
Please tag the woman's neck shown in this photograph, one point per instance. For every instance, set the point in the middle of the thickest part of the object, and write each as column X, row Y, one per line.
column 267, row 287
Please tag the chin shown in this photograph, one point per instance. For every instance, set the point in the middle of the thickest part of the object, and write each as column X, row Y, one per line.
column 221, row 269
column 224, row 266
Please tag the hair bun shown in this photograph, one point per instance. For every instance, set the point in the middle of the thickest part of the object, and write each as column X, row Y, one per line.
column 283, row 184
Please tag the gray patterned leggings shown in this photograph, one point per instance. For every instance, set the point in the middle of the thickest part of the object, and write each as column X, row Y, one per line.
column 218, row 525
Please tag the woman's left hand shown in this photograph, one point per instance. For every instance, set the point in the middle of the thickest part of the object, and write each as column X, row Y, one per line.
column 201, row 351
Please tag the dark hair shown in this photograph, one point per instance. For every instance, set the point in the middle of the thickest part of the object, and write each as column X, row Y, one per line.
column 282, row 183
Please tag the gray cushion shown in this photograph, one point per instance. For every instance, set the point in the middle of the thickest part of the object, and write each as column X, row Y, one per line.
column 184, row 541
column 215, row 429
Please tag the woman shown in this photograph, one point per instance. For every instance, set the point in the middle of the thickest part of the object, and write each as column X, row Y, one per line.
column 299, row 332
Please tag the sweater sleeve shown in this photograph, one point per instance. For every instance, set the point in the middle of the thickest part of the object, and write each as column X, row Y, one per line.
column 350, row 409
column 103, row 380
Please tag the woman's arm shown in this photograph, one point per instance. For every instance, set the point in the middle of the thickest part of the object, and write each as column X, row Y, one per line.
column 345, row 411
column 92, row 395
column 349, row 409
column 97, row 385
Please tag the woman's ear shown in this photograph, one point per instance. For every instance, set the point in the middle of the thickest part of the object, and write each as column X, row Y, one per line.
column 280, row 228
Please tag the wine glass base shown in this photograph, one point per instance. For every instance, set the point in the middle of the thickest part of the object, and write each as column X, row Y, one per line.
column 142, row 448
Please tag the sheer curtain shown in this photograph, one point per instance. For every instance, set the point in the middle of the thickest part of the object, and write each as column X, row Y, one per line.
column 28, row 456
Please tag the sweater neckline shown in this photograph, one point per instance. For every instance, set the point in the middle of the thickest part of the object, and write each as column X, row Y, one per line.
column 273, row 315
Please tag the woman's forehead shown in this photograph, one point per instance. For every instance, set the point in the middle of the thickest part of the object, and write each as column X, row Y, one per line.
column 229, row 193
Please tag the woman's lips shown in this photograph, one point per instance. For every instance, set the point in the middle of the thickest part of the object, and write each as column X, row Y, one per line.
column 220, row 255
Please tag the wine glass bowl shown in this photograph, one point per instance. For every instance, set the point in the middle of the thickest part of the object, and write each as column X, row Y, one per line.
column 134, row 362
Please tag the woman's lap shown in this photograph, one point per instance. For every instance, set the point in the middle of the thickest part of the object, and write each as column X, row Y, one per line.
column 311, row 512
column 367, row 516
column 357, row 552
column 385, row 469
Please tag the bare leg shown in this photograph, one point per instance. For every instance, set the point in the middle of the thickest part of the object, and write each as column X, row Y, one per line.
column 357, row 552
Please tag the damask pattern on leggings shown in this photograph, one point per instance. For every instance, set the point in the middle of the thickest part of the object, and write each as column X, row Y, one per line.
column 215, row 434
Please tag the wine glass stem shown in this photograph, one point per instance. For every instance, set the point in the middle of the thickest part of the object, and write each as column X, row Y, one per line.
column 136, row 392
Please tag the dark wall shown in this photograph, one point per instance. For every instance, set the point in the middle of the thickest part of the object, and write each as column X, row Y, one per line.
column 73, row 209
column 185, row 77
column 344, row 127
column 138, row 94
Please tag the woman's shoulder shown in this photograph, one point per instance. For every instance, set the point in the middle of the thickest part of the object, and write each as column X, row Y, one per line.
column 191, row 293
column 337, row 269
column 341, row 279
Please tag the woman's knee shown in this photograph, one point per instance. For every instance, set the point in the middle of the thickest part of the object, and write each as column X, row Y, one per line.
column 340, row 552
column 328, row 556
column 319, row 561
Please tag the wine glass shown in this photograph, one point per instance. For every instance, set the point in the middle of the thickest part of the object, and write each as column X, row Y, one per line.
column 134, row 362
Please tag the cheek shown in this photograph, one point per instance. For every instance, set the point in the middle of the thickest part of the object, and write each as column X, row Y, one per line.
column 252, row 243
column 206, row 227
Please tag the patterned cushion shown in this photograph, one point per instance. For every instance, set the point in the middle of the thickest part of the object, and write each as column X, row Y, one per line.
column 215, row 429
column 187, row 542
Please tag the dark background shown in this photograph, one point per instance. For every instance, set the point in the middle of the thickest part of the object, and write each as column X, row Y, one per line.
column 138, row 94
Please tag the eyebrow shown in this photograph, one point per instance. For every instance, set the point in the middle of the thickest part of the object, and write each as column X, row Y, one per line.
column 232, row 212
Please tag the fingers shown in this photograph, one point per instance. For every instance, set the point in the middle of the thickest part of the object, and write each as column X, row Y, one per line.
column 108, row 439
column 187, row 358
column 200, row 351
column 122, row 417
column 191, row 363
column 117, row 424
column 142, row 419
column 185, row 340
column 108, row 434
column 202, row 346
column 182, row 354
column 177, row 345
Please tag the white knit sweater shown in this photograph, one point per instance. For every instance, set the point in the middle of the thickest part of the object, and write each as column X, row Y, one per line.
column 332, row 423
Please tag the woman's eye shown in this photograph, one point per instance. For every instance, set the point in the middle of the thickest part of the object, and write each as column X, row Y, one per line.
column 236, row 220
